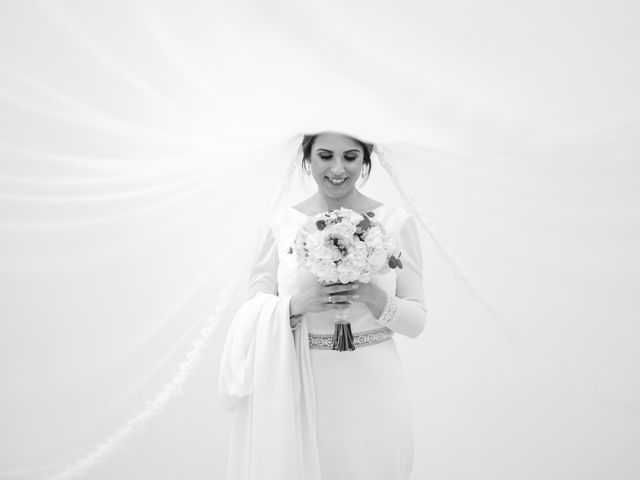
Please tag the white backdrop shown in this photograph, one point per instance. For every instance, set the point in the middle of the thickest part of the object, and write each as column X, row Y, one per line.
column 143, row 145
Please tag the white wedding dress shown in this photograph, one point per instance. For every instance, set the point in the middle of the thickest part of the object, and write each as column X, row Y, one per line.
column 363, row 416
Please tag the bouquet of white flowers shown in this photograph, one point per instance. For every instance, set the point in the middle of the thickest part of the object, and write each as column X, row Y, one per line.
column 343, row 246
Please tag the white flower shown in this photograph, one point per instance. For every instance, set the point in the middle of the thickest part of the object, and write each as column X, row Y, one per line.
column 346, row 229
column 324, row 270
column 353, row 217
column 364, row 278
column 373, row 238
column 316, row 246
column 378, row 258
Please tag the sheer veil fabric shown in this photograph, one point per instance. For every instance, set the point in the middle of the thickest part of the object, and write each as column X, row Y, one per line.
column 145, row 146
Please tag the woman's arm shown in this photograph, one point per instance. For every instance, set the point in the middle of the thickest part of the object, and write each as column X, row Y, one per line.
column 405, row 312
column 263, row 276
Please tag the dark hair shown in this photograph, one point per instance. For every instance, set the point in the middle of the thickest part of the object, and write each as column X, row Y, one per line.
column 307, row 145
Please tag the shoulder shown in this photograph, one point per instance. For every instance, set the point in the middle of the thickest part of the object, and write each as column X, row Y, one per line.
column 394, row 214
column 303, row 206
column 284, row 215
column 268, row 227
column 371, row 203
column 276, row 220
column 306, row 205
column 284, row 219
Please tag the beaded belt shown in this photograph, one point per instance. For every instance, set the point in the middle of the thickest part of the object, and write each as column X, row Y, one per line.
column 362, row 339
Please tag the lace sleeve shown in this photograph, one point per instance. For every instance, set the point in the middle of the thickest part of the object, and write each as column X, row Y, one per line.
column 405, row 313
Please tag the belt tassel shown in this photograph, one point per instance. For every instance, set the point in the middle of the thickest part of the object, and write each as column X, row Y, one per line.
column 343, row 337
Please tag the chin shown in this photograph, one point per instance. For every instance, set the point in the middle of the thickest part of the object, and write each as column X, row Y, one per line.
column 331, row 194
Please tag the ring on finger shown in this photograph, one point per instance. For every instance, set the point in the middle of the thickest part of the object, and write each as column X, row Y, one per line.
column 330, row 298
column 355, row 296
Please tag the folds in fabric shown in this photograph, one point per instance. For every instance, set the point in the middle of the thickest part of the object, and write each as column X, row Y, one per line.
column 266, row 384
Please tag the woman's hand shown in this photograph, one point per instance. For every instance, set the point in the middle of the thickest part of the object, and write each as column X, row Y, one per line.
column 373, row 296
column 316, row 298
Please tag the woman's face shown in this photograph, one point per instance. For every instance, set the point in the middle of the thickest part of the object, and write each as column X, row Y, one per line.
column 336, row 164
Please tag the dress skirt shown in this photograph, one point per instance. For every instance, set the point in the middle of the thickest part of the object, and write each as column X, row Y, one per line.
column 364, row 421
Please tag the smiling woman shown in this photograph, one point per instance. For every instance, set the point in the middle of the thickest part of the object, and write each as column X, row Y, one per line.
column 336, row 159
column 338, row 412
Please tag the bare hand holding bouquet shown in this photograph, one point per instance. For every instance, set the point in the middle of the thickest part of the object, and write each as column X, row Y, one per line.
column 343, row 246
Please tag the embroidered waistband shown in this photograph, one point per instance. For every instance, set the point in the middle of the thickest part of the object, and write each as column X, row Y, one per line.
column 362, row 339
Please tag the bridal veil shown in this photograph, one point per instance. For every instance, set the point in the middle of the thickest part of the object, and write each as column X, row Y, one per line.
column 144, row 146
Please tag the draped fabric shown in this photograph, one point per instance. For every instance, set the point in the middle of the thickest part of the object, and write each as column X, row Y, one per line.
column 267, row 386
column 144, row 146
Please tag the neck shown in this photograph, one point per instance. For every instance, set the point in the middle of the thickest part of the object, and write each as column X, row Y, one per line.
column 351, row 200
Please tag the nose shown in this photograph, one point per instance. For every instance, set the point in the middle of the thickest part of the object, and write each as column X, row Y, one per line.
column 337, row 168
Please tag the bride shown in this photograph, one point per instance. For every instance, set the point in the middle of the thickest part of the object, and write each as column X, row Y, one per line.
column 302, row 410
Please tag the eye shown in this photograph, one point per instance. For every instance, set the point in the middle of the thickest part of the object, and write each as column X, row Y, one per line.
column 351, row 157
column 325, row 156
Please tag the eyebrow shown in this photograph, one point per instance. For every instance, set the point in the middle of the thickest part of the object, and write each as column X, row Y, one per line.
column 331, row 151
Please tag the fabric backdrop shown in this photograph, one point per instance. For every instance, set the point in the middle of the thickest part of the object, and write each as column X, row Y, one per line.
column 143, row 146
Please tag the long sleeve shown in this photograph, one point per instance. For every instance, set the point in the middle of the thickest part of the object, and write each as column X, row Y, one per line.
column 411, row 313
column 263, row 276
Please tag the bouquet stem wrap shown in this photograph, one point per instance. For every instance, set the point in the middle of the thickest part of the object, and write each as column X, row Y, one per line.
column 342, row 335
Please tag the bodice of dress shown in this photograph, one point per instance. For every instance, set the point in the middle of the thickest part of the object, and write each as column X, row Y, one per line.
column 277, row 272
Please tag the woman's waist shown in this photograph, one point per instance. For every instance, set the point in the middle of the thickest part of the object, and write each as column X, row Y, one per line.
column 323, row 323
column 330, row 341
column 364, row 329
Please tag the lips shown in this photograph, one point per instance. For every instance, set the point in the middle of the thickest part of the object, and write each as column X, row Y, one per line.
column 336, row 181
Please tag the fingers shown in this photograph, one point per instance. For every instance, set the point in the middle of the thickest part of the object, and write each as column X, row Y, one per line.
column 342, row 295
column 339, row 287
column 338, row 292
column 316, row 299
column 322, row 303
column 337, row 306
column 341, row 298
